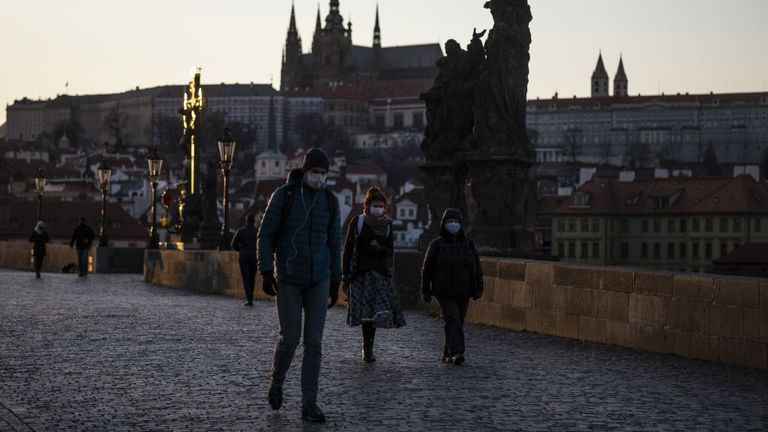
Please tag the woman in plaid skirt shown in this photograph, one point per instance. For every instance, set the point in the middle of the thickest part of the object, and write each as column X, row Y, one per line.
column 367, row 274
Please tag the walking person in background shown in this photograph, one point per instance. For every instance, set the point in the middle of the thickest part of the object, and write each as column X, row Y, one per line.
column 367, row 272
column 452, row 272
column 39, row 239
column 244, row 242
column 82, row 239
column 299, row 251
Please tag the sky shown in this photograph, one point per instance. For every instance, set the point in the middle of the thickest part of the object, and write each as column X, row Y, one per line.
column 102, row 46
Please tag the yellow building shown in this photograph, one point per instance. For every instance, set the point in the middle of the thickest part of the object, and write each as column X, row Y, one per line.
column 672, row 224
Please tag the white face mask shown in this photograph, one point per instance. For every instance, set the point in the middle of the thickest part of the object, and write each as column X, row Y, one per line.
column 315, row 181
column 377, row 211
column 453, row 227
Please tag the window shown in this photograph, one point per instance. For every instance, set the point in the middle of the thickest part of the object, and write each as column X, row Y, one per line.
column 695, row 227
column 398, row 121
column 624, row 225
column 571, row 250
column 584, row 250
column 595, row 225
column 695, row 250
column 723, row 249
column 670, row 250
column 561, row 225
column 683, row 225
column 561, row 249
column 418, row 120
column 585, row 225
column 708, row 225
column 411, row 212
column 380, row 123
column 708, row 250
column 581, row 199
column 595, row 250
column 671, row 225
column 572, row 225
column 657, row 250
column 644, row 226
column 758, row 225
column 683, row 251
column 625, row 250
column 644, row 251
column 737, row 225
column 723, row 224
column 657, row 226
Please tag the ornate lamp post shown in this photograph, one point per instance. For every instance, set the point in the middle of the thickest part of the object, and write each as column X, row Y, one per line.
column 105, row 174
column 155, row 163
column 40, row 182
column 226, row 154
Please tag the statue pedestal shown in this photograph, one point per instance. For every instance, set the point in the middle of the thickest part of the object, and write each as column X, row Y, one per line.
column 445, row 191
column 497, row 192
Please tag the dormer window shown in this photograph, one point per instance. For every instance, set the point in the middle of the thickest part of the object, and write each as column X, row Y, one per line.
column 581, row 199
column 634, row 200
column 661, row 202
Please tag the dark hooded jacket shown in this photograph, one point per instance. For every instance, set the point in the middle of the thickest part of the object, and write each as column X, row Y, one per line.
column 39, row 240
column 452, row 265
column 82, row 237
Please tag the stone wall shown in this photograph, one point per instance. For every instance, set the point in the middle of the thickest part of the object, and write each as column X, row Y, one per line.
column 716, row 318
column 18, row 255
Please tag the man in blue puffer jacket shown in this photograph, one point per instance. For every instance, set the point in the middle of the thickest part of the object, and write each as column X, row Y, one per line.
column 299, row 250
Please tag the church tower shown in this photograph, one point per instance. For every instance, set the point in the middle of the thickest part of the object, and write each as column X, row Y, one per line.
column 377, row 31
column 600, row 79
column 292, row 70
column 330, row 49
column 318, row 31
column 620, row 81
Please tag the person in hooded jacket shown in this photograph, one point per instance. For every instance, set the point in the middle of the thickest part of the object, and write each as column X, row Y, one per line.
column 39, row 238
column 452, row 272
column 82, row 239
column 367, row 272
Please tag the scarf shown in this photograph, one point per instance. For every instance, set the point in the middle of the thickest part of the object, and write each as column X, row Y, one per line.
column 380, row 226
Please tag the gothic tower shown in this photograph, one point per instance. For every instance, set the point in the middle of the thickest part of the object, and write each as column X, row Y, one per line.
column 600, row 79
column 620, row 81
column 377, row 31
column 331, row 47
column 292, row 70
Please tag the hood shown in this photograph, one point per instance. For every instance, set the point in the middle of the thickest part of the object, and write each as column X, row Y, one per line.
column 452, row 213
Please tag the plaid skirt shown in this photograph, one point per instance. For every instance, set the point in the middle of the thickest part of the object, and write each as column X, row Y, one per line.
column 372, row 299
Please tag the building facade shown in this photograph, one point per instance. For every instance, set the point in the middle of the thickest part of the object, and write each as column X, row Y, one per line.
column 626, row 130
column 679, row 224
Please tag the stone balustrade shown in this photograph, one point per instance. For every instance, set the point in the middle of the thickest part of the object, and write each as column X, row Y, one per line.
column 18, row 255
column 715, row 318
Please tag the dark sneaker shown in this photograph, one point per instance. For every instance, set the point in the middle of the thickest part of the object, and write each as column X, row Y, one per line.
column 445, row 358
column 275, row 397
column 312, row 414
column 250, row 303
column 458, row 359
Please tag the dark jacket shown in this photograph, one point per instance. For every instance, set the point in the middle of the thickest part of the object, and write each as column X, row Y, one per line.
column 39, row 240
column 245, row 242
column 452, row 265
column 82, row 237
column 374, row 252
column 308, row 250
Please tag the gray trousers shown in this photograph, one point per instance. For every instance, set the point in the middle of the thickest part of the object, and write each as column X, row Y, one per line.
column 291, row 300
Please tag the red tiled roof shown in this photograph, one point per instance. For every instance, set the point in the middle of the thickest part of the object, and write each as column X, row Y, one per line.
column 723, row 195
column 367, row 169
column 61, row 218
column 395, row 89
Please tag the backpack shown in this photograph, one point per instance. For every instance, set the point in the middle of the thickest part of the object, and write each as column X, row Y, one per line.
column 291, row 187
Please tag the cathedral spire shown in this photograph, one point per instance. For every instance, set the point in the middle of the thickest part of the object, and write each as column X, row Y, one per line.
column 318, row 22
column 377, row 30
column 600, row 79
column 292, row 26
column 334, row 20
column 620, row 81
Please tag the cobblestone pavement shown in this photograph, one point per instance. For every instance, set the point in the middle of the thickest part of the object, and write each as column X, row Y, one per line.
column 111, row 353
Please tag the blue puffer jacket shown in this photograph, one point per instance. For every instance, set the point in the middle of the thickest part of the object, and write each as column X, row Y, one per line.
column 309, row 248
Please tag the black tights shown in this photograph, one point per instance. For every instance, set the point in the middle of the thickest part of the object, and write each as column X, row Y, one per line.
column 369, row 331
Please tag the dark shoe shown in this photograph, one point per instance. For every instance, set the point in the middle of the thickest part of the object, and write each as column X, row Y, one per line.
column 312, row 414
column 250, row 303
column 445, row 358
column 368, row 356
column 275, row 397
column 458, row 359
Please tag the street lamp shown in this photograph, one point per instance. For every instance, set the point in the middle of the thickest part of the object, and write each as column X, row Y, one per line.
column 226, row 153
column 105, row 174
column 155, row 163
column 40, row 182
